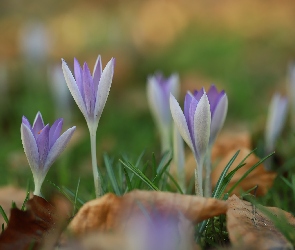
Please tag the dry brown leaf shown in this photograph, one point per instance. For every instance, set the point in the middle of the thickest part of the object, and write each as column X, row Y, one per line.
column 143, row 220
column 248, row 226
column 259, row 176
column 111, row 212
column 9, row 194
column 40, row 223
column 229, row 141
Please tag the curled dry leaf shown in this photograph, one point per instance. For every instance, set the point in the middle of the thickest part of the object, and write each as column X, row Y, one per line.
column 248, row 226
column 111, row 212
column 27, row 229
column 9, row 194
column 259, row 176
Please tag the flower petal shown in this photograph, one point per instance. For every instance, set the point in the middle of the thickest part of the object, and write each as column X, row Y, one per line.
column 26, row 122
column 97, row 73
column 276, row 119
column 88, row 90
column 198, row 94
column 173, row 82
column 38, row 124
column 202, row 121
column 78, row 77
column 213, row 97
column 103, row 89
column 54, row 131
column 180, row 121
column 30, row 147
column 218, row 118
column 74, row 89
column 156, row 102
column 43, row 144
column 58, row 147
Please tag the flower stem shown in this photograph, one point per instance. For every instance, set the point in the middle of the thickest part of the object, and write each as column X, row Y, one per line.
column 96, row 176
column 199, row 179
column 208, row 187
column 165, row 139
column 179, row 158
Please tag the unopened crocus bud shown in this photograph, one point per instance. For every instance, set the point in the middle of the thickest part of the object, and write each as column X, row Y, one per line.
column 158, row 93
column 276, row 118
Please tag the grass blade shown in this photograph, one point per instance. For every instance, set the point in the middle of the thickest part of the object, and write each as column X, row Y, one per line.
column 76, row 195
column 2, row 212
column 249, row 171
column 111, row 175
column 174, row 182
column 129, row 185
column 223, row 174
column 140, row 174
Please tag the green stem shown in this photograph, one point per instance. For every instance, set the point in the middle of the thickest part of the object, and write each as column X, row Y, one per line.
column 199, row 179
column 208, row 187
column 96, row 176
column 165, row 134
column 179, row 158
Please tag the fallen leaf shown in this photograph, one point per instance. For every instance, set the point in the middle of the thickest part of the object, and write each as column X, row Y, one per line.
column 9, row 194
column 111, row 212
column 259, row 176
column 145, row 235
column 248, row 226
column 28, row 228
column 229, row 141
column 143, row 220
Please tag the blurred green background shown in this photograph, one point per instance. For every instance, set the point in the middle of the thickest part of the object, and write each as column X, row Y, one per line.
column 242, row 46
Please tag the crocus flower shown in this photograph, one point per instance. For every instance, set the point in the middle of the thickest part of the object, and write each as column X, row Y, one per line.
column 276, row 119
column 90, row 92
column 158, row 92
column 194, row 127
column 42, row 145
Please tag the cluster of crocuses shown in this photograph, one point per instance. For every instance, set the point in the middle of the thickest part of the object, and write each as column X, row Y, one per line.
column 199, row 124
column 43, row 144
column 203, row 117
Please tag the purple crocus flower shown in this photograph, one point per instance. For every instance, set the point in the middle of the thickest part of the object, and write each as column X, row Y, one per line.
column 194, row 127
column 42, row 145
column 158, row 93
column 218, row 108
column 90, row 92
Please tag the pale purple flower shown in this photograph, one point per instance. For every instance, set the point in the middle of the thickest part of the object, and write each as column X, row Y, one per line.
column 90, row 92
column 194, row 127
column 42, row 145
column 218, row 108
column 276, row 118
column 158, row 93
